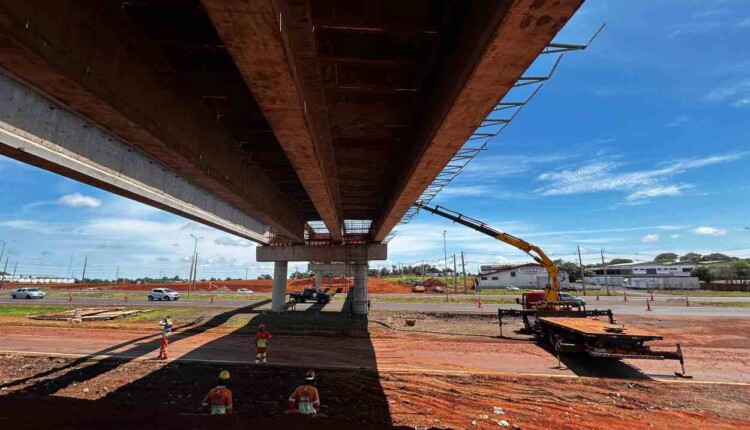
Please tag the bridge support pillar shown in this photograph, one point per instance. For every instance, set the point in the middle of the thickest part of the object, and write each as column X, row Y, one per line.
column 359, row 292
column 318, row 279
column 278, row 297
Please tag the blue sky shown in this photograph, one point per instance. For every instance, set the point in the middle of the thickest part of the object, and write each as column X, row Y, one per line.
column 637, row 146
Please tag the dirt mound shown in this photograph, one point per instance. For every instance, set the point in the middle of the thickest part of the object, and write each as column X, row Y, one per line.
column 433, row 282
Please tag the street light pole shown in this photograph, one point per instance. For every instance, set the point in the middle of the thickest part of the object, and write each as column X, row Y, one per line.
column 3, row 250
column 191, row 281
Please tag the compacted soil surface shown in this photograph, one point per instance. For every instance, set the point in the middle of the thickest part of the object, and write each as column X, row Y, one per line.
column 445, row 371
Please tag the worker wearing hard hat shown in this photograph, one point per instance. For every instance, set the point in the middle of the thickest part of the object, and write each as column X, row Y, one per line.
column 167, row 323
column 261, row 343
column 219, row 400
column 305, row 399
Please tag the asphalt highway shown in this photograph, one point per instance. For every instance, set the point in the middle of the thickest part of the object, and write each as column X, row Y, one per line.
column 663, row 305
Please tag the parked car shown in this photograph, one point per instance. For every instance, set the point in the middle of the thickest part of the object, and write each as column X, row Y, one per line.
column 313, row 294
column 92, row 290
column 512, row 288
column 438, row 289
column 163, row 294
column 245, row 291
column 27, row 293
column 576, row 302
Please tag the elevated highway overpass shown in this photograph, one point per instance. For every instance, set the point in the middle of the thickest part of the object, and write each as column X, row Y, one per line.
column 307, row 126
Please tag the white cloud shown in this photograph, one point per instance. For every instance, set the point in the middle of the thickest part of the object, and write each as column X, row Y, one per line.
column 230, row 241
column 710, row 231
column 78, row 200
column 678, row 121
column 737, row 93
column 500, row 166
column 650, row 238
column 675, row 236
column 656, row 191
column 605, row 175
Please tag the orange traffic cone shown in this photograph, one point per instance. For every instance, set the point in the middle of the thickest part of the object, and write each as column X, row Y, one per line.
column 652, row 296
column 687, row 301
column 625, row 297
column 479, row 304
column 212, row 299
column 126, row 298
column 70, row 299
column 597, row 297
column 648, row 305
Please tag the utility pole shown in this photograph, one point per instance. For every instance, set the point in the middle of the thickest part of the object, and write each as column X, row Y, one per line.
column 463, row 269
column 583, row 277
column 455, row 276
column 423, row 268
column 246, row 273
column 195, row 270
column 445, row 254
column 15, row 266
column 606, row 278
column 83, row 277
column 3, row 250
column 117, row 274
column 194, row 267
column 70, row 263
column 5, row 271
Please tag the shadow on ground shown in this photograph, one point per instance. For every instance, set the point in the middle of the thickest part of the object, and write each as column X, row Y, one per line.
column 169, row 395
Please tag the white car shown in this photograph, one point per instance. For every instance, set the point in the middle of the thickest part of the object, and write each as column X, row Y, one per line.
column 245, row 291
column 27, row 293
column 163, row 294
column 512, row 288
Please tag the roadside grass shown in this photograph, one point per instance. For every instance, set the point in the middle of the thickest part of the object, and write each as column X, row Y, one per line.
column 724, row 304
column 144, row 294
column 704, row 293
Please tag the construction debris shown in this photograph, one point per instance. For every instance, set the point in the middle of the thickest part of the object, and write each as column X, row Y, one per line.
column 87, row 314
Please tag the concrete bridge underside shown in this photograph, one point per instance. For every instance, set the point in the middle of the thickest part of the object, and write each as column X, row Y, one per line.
column 283, row 121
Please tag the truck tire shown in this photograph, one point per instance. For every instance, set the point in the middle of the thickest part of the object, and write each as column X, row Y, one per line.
column 298, row 299
column 14, row 296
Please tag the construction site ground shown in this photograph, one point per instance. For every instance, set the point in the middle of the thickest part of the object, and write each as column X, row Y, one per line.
column 447, row 371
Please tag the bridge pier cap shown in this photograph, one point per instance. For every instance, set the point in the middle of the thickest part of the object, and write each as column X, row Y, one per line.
column 359, row 253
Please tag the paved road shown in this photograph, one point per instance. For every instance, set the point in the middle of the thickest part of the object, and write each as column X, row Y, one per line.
column 672, row 306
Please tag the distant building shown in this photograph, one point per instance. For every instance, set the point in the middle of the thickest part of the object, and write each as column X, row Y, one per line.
column 526, row 276
column 35, row 279
column 648, row 269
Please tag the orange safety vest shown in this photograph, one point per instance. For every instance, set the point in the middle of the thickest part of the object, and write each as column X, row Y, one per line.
column 220, row 400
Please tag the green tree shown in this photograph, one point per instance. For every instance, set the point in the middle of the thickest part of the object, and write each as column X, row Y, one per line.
column 703, row 273
column 574, row 272
column 666, row 257
column 620, row 261
column 691, row 256
column 716, row 257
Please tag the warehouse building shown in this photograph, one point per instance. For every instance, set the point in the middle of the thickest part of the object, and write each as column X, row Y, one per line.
column 526, row 276
column 649, row 269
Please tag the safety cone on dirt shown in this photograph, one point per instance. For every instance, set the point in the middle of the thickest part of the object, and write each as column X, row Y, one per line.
column 212, row 299
column 479, row 304
column 597, row 297
column 687, row 301
column 625, row 297
column 652, row 296
column 70, row 298
column 648, row 305
column 126, row 299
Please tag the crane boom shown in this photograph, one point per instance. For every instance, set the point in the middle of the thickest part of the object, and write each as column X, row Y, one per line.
column 551, row 290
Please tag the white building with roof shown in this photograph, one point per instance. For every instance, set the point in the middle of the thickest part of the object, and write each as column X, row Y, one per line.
column 526, row 276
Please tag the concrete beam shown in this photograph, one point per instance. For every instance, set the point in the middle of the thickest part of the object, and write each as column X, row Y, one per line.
column 272, row 45
column 343, row 253
column 37, row 131
column 328, row 268
column 489, row 64
column 89, row 57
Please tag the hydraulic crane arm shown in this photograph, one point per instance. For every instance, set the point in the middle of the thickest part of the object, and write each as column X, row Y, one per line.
column 551, row 290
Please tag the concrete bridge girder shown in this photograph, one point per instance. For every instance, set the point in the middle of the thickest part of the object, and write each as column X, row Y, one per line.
column 36, row 130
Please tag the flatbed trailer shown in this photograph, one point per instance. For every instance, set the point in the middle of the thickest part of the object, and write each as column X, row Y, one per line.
column 591, row 332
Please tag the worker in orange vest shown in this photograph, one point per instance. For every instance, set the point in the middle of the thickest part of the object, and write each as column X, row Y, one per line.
column 218, row 401
column 261, row 343
column 167, row 323
column 305, row 399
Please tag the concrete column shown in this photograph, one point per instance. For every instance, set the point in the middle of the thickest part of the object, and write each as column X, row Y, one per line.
column 359, row 292
column 318, row 279
column 278, row 298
